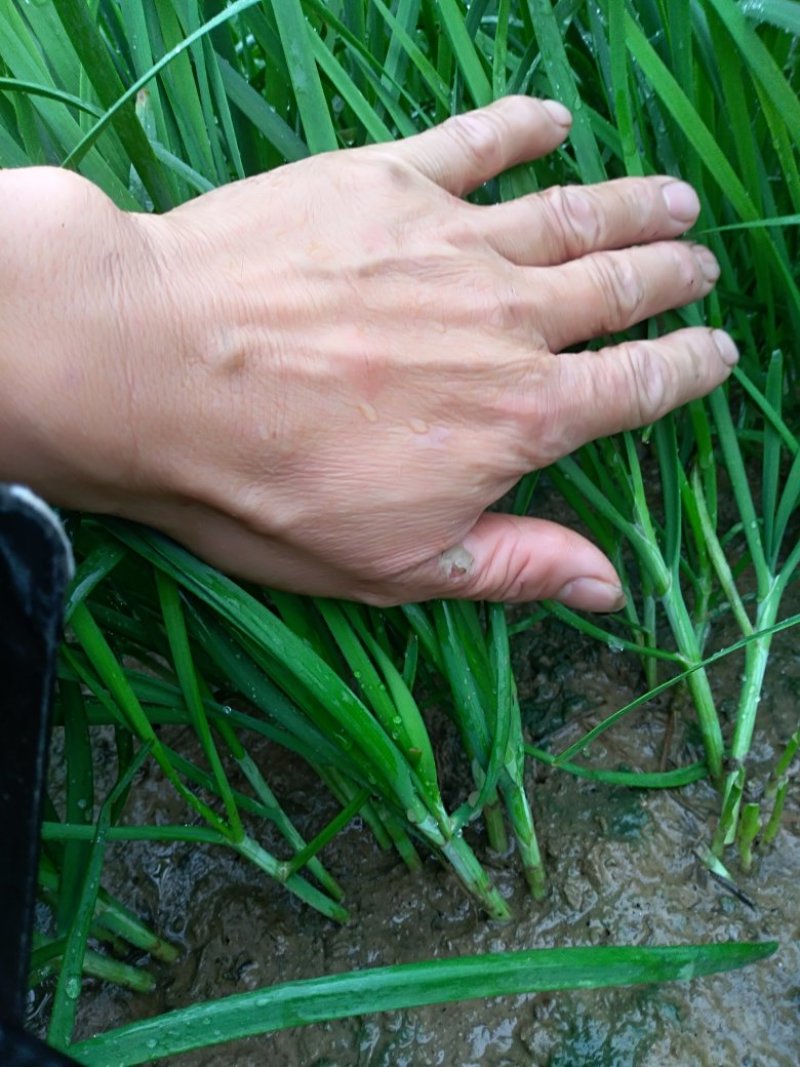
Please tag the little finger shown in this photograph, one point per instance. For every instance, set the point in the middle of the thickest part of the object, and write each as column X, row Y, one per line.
column 594, row 394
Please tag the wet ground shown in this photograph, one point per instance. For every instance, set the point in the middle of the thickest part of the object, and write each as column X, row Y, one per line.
column 622, row 869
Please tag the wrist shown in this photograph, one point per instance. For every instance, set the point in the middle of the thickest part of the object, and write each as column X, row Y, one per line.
column 68, row 307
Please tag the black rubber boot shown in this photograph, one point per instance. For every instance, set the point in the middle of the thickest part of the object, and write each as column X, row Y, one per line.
column 35, row 566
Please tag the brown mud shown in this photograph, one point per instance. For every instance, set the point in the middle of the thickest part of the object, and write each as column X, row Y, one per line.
column 621, row 866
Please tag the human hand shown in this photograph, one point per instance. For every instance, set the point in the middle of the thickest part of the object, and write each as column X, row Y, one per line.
column 320, row 378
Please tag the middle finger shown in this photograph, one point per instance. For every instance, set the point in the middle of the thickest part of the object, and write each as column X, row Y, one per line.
column 565, row 222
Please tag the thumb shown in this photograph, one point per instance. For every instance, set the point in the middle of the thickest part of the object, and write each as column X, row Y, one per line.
column 511, row 559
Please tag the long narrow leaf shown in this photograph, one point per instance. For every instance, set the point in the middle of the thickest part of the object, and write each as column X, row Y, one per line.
column 406, row 986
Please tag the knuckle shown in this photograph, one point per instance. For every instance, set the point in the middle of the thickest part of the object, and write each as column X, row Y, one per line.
column 514, row 407
column 645, row 203
column 545, row 432
column 504, row 573
column 648, row 381
column 573, row 219
column 509, row 311
column 621, row 289
column 634, row 200
column 388, row 171
column 480, row 137
column 699, row 346
column 462, row 228
column 492, row 304
column 686, row 267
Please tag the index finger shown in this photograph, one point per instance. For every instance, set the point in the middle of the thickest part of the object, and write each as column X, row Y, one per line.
column 467, row 150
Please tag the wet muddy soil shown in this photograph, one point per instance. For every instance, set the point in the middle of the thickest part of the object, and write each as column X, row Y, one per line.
column 622, row 870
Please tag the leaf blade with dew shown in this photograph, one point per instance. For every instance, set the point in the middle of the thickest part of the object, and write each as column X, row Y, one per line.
column 771, row 460
column 303, row 731
column 45, row 122
column 109, row 912
column 92, row 135
column 92, row 570
column 734, row 461
column 96, row 61
column 620, row 83
column 504, row 687
column 376, row 128
column 788, row 504
column 564, row 87
column 261, row 115
column 225, row 145
column 591, row 629
column 466, row 670
column 408, row 986
column 789, row 440
column 394, row 64
column 685, row 115
column 422, row 626
column 465, row 52
column 62, row 1019
column 388, row 91
column 182, row 81
column 500, row 50
column 775, row 222
column 295, row 33
column 79, row 806
column 702, row 141
column 784, row 14
column 112, row 675
column 695, row 772
column 417, row 739
column 757, row 57
column 139, row 38
column 500, row 728
column 398, row 721
column 466, row 691
column 178, row 639
column 402, row 40
column 610, row 720
column 249, row 616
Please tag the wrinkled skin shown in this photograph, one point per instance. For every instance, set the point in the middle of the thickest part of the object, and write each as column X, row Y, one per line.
column 320, row 378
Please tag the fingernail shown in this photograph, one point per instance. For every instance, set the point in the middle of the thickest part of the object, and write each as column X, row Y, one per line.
column 681, row 200
column 557, row 112
column 708, row 263
column 728, row 351
column 591, row 594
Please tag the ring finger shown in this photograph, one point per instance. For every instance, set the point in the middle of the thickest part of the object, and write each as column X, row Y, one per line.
column 610, row 291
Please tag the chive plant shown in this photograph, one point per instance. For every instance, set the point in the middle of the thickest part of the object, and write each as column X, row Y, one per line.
column 157, row 103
